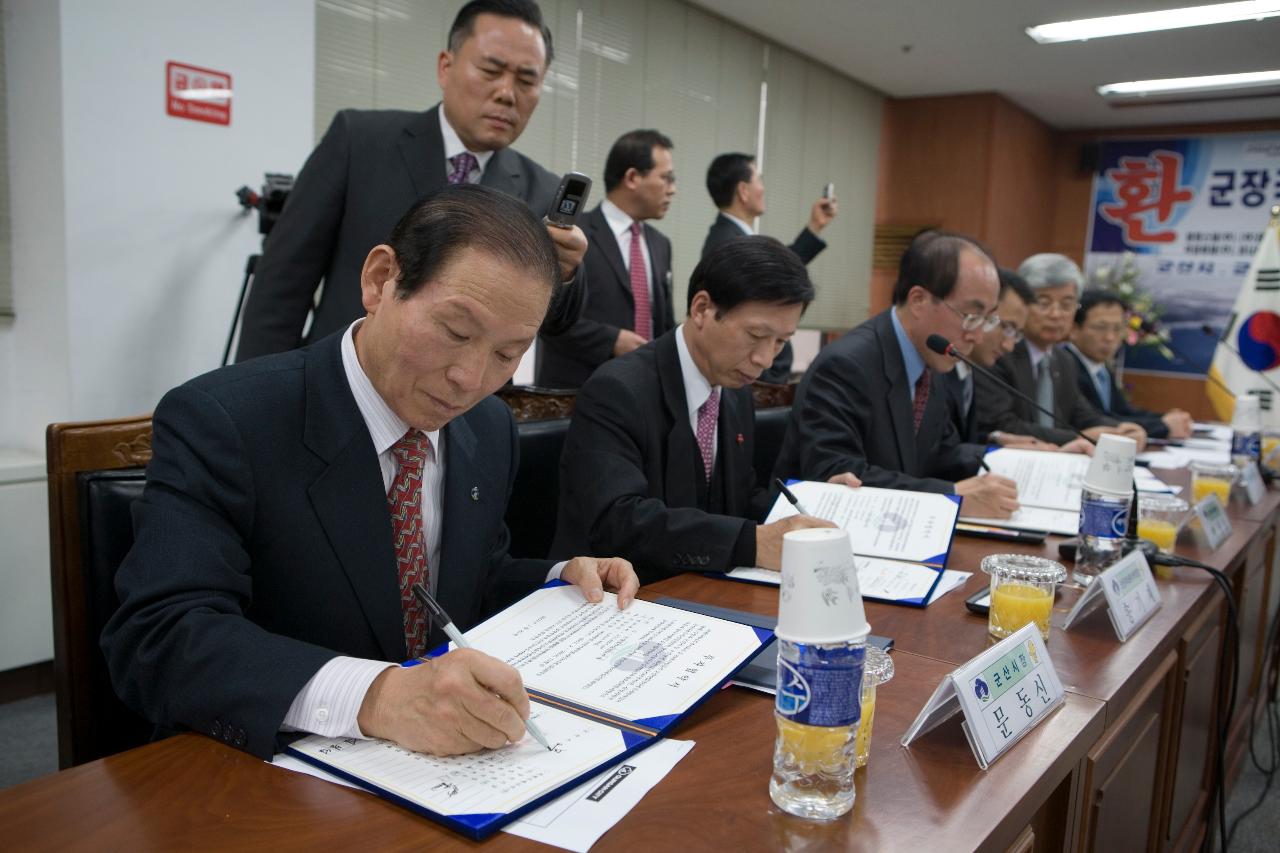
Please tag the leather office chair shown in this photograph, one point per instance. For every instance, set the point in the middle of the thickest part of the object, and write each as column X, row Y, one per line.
column 773, row 413
column 542, row 421
column 95, row 474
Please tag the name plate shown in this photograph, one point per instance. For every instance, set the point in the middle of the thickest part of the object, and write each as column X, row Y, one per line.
column 1129, row 591
column 1213, row 521
column 1251, row 479
column 1003, row 693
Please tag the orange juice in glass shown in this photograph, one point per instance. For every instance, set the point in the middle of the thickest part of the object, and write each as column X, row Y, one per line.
column 1160, row 517
column 877, row 669
column 1022, row 590
column 1212, row 479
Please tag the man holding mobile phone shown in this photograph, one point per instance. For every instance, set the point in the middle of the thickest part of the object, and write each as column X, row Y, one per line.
column 372, row 165
column 628, row 263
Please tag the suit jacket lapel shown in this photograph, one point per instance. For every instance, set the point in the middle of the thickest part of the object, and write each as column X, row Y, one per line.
column 731, row 455
column 895, row 373
column 604, row 240
column 348, row 497
column 422, row 149
column 468, row 488
column 505, row 172
column 682, row 448
column 661, row 264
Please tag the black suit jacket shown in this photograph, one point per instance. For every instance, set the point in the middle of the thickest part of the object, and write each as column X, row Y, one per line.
column 629, row 469
column 263, row 545
column 1121, row 408
column 807, row 246
column 368, row 170
column 852, row 412
column 567, row 359
column 1000, row 410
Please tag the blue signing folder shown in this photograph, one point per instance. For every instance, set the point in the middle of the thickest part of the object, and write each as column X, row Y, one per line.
column 603, row 683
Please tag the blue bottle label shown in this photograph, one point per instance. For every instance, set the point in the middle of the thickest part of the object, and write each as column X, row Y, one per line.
column 1104, row 519
column 1246, row 444
column 822, row 687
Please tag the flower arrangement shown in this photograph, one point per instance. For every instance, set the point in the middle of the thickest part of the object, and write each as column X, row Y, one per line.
column 1144, row 312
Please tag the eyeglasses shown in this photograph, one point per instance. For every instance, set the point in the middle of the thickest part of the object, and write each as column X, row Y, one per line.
column 1010, row 331
column 972, row 322
column 1066, row 306
column 1106, row 328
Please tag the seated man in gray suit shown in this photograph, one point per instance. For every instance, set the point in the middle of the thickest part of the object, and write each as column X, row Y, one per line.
column 628, row 264
column 658, row 459
column 1044, row 371
column 737, row 190
column 373, row 164
column 292, row 502
column 872, row 403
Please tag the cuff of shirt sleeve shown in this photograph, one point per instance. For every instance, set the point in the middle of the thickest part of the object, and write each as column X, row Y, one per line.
column 329, row 703
column 554, row 574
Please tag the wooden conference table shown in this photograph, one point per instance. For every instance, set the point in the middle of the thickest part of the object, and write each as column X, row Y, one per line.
column 1123, row 765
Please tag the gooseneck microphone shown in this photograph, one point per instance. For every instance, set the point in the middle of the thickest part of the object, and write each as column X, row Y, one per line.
column 1222, row 339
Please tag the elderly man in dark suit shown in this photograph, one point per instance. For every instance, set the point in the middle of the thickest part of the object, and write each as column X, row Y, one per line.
column 628, row 264
column 658, row 459
column 737, row 190
column 1044, row 371
column 873, row 403
column 372, row 165
column 292, row 502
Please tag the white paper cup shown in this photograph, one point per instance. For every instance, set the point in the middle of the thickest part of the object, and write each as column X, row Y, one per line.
column 819, row 600
column 1247, row 416
column 1111, row 468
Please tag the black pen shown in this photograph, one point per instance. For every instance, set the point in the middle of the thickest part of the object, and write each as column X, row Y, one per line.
column 982, row 463
column 451, row 631
column 786, row 493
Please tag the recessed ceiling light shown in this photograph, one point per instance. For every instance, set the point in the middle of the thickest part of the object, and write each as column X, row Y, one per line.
column 1173, row 85
column 1147, row 22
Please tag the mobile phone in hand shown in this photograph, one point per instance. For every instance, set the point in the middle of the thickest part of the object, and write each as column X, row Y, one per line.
column 570, row 198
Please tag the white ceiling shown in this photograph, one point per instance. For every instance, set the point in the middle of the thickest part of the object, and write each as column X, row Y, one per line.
column 909, row 48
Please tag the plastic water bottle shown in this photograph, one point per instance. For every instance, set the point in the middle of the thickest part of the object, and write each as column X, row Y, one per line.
column 822, row 632
column 1246, row 431
column 1105, row 499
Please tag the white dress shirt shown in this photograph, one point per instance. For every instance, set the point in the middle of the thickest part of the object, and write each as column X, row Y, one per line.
column 453, row 147
column 620, row 225
column 329, row 703
column 696, row 389
column 746, row 229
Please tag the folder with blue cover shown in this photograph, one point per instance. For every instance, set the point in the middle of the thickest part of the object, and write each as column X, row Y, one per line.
column 603, row 684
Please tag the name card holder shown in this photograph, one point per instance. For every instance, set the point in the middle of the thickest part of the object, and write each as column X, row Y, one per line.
column 1129, row 591
column 1212, row 520
column 1003, row 693
column 1251, row 479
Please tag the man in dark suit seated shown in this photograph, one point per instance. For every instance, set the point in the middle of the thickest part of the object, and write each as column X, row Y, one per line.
column 657, row 462
column 292, row 502
column 628, row 264
column 1102, row 320
column 737, row 190
column 373, row 164
column 872, row 403
column 1015, row 297
column 1044, row 371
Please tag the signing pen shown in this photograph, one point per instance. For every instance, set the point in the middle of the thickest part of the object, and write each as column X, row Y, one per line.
column 451, row 631
column 786, row 493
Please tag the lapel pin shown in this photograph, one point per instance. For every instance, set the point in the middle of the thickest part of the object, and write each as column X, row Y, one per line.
column 741, row 440
column 475, row 493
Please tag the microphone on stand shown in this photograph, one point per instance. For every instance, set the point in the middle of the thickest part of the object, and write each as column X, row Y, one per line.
column 942, row 346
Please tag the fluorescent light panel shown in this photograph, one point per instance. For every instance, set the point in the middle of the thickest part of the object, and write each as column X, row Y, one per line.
column 1215, row 82
column 1147, row 22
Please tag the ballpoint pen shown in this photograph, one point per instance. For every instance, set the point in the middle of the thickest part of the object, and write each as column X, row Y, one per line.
column 451, row 631
column 795, row 502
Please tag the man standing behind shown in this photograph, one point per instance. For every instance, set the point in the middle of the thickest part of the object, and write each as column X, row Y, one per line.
column 372, row 165
column 737, row 190
column 1102, row 320
column 1044, row 371
column 293, row 500
column 872, row 404
column 658, row 459
column 628, row 263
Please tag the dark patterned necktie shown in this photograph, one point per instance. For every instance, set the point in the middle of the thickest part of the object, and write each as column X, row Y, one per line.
column 640, row 285
column 405, row 500
column 462, row 165
column 708, row 413
column 920, row 399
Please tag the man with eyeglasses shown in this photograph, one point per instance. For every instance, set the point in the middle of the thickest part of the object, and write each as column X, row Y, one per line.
column 873, row 402
column 1015, row 297
column 1100, row 326
column 1044, row 371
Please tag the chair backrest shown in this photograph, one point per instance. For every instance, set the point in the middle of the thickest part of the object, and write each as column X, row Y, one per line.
column 96, row 472
column 771, row 428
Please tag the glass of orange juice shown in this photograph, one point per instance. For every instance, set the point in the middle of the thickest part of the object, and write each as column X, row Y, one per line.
column 1160, row 518
column 1022, row 590
column 876, row 670
column 1271, row 449
column 1209, row 478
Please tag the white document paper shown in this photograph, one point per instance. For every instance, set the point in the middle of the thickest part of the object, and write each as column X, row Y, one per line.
column 882, row 579
column 576, row 820
column 900, row 525
column 1045, row 480
column 1062, row 522
column 642, row 662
